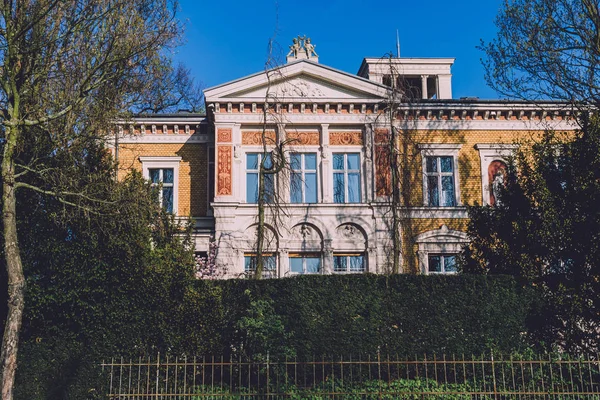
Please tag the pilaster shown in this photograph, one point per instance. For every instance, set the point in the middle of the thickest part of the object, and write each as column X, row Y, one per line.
column 224, row 160
column 326, row 171
column 238, row 163
column 284, row 263
column 372, row 260
column 424, row 94
column 327, row 256
column 368, row 162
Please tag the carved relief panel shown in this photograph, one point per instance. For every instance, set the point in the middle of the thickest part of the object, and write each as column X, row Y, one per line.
column 349, row 237
column 254, row 138
column 224, row 135
column 305, row 237
column 224, row 171
column 346, row 138
column 303, row 138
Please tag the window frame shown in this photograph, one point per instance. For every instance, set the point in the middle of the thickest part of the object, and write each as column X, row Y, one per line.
column 161, row 163
column 347, row 171
column 440, row 150
column 304, row 256
column 247, row 171
column 267, row 273
column 489, row 153
column 348, row 255
column 438, row 241
column 303, row 171
column 443, row 257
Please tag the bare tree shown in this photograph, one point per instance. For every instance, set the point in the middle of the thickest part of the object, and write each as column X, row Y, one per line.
column 273, row 167
column 69, row 68
column 546, row 49
column 396, row 157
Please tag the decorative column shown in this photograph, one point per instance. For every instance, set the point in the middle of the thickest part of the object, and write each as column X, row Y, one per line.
column 372, row 260
column 327, row 256
column 283, row 180
column 326, row 171
column 238, row 163
column 424, row 86
column 368, row 152
column 281, row 134
column 284, row 263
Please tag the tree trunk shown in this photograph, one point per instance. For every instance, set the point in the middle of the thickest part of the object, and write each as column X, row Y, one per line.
column 260, row 229
column 396, row 204
column 14, row 268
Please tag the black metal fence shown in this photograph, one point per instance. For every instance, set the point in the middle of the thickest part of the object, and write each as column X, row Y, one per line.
column 370, row 377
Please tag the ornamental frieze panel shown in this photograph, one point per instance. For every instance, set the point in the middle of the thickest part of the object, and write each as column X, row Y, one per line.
column 224, row 171
column 346, row 138
column 224, row 135
column 303, row 138
column 255, row 137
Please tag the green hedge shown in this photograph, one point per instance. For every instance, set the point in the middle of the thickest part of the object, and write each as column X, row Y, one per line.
column 361, row 314
column 301, row 317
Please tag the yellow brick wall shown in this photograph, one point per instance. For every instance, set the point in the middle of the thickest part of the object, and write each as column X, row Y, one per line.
column 193, row 171
column 469, row 165
column 193, row 175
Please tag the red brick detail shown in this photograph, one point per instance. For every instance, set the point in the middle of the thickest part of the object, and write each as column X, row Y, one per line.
column 224, row 171
column 255, row 138
column 303, row 138
column 224, row 135
column 383, row 172
column 345, row 138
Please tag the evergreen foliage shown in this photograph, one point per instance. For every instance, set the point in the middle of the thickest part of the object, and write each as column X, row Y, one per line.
column 299, row 318
column 350, row 315
column 99, row 283
column 546, row 231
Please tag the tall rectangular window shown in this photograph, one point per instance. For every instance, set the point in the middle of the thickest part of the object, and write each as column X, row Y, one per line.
column 440, row 181
column 253, row 163
column 303, row 182
column 164, row 176
column 346, row 178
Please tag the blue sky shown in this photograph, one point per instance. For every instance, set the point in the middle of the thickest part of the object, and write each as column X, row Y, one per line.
column 229, row 40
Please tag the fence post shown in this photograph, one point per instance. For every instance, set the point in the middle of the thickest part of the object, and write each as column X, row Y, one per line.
column 157, row 373
column 494, row 376
column 267, row 386
column 379, row 371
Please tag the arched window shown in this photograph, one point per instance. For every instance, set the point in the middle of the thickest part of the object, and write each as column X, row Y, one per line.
column 438, row 250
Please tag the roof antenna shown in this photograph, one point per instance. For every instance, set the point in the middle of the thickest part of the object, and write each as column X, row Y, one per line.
column 397, row 44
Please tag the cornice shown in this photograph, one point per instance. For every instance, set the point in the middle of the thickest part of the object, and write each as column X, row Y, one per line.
column 175, row 139
column 331, row 209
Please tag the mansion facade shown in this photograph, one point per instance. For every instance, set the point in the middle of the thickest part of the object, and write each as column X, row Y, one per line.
column 336, row 130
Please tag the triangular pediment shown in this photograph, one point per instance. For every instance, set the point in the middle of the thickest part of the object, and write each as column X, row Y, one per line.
column 303, row 86
column 300, row 81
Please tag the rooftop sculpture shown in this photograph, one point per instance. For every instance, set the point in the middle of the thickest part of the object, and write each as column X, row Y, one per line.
column 301, row 49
